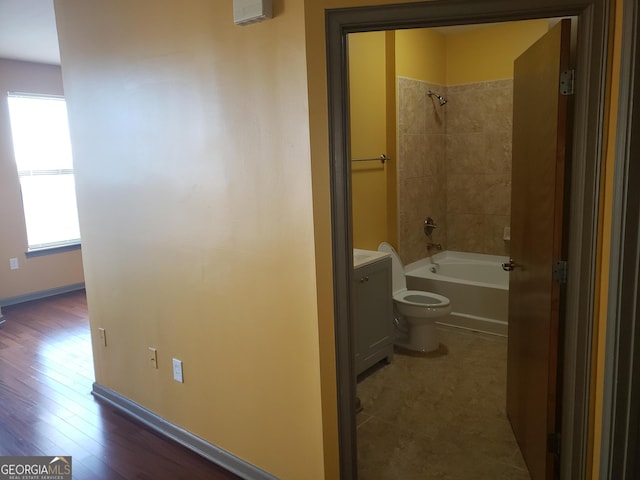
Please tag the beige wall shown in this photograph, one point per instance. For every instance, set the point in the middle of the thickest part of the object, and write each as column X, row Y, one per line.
column 478, row 166
column 454, row 165
column 37, row 273
column 191, row 138
column 422, row 175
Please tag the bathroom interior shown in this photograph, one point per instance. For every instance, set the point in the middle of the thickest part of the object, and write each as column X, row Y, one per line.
column 431, row 128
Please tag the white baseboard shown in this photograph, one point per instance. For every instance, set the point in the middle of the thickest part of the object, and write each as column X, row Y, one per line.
column 477, row 324
column 182, row 436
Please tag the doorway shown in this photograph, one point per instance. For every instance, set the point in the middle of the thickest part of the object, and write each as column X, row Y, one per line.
column 587, row 134
column 445, row 411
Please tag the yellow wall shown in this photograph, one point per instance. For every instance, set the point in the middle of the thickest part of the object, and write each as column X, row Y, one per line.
column 191, row 138
column 368, row 111
column 421, row 54
column 37, row 273
column 476, row 55
column 488, row 53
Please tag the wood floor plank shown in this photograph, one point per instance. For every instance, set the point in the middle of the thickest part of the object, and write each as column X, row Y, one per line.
column 46, row 376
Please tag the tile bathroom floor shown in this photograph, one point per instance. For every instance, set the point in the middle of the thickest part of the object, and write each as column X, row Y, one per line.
column 439, row 415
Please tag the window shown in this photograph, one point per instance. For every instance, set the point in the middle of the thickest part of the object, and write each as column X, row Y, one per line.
column 42, row 148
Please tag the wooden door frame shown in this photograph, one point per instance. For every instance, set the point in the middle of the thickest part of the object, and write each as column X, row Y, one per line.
column 621, row 409
column 587, row 151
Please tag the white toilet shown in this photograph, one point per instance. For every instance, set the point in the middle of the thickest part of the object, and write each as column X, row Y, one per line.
column 416, row 312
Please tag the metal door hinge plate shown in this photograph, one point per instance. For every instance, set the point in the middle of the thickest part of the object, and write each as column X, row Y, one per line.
column 553, row 443
column 567, row 81
column 560, row 271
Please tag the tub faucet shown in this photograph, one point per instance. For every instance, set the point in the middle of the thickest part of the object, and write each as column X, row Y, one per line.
column 434, row 245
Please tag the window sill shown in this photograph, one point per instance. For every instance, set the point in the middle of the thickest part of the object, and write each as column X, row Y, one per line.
column 53, row 250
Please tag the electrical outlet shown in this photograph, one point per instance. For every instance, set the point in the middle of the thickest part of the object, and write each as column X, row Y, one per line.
column 13, row 263
column 177, row 370
column 103, row 336
column 153, row 357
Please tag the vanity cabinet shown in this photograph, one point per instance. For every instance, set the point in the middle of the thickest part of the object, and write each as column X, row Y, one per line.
column 373, row 313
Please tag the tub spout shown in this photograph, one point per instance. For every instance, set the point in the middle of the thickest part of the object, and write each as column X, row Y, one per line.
column 434, row 245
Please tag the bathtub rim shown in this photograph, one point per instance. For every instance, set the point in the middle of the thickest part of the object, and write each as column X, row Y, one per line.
column 425, row 263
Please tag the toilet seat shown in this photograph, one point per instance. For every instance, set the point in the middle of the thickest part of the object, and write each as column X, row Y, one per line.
column 414, row 303
column 421, row 299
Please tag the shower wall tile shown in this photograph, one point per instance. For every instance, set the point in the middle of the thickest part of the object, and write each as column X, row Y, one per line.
column 422, row 185
column 435, row 160
column 479, row 194
column 465, row 153
column 497, row 108
column 411, row 105
column 465, row 232
column 412, row 153
column 477, row 233
column 478, row 156
column 497, row 152
column 454, row 164
column 420, row 194
column 464, row 111
column 494, row 240
column 504, row 83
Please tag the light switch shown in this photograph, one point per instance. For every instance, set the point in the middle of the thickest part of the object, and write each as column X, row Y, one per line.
column 177, row 370
column 153, row 357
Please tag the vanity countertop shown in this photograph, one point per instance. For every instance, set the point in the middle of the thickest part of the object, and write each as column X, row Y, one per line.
column 366, row 257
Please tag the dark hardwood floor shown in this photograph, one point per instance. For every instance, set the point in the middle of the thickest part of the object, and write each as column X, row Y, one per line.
column 46, row 408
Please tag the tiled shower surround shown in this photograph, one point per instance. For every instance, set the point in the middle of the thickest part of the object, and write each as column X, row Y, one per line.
column 454, row 164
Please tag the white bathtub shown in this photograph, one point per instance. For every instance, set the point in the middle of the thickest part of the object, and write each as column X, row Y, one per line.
column 475, row 284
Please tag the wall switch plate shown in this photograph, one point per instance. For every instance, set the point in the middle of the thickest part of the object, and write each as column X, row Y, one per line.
column 13, row 263
column 103, row 336
column 153, row 357
column 177, row 370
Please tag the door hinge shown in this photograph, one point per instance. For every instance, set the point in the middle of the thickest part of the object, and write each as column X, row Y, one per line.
column 560, row 272
column 553, row 443
column 567, row 81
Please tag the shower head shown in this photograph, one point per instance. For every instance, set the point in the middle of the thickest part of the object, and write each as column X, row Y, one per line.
column 440, row 98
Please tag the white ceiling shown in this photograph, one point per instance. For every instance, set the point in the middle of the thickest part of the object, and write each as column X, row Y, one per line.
column 28, row 31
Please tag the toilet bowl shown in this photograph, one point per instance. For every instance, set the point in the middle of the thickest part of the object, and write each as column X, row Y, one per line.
column 415, row 312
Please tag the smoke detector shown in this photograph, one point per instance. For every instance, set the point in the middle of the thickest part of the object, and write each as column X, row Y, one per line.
column 246, row 12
